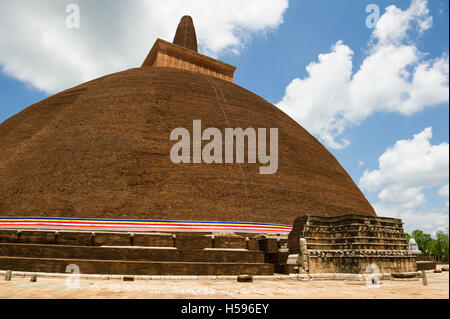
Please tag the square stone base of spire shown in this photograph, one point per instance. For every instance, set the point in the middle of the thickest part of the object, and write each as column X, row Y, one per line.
column 166, row 54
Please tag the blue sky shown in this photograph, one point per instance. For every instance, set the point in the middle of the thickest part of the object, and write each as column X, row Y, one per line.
column 310, row 28
column 271, row 48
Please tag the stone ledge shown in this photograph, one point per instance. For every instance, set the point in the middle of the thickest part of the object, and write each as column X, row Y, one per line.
column 297, row 277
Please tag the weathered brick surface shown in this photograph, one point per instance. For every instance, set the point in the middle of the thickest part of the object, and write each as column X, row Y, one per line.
column 122, row 167
column 268, row 245
column 185, row 35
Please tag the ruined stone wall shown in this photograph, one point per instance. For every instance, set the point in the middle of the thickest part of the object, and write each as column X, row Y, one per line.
column 350, row 244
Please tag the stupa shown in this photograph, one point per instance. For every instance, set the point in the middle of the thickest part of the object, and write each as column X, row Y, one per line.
column 101, row 150
column 86, row 176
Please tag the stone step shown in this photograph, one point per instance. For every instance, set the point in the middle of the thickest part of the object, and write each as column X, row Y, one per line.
column 278, row 258
column 86, row 238
column 121, row 267
column 132, row 253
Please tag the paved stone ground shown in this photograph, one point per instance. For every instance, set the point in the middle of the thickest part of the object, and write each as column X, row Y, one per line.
column 21, row 287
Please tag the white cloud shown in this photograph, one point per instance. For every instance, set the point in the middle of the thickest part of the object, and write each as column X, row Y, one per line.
column 427, row 220
column 405, row 198
column 37, row 48
column 404, row 171
column 360, row 163
column 394, row 77
column 414, row 163
column 443, row 191
column 394, row 23
column 326, row 88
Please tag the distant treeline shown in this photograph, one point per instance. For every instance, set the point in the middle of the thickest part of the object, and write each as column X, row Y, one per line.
column 429, row 246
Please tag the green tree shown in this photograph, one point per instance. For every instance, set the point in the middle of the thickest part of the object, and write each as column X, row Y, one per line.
column 424, row 241
column 440, row 246
column 407, row 237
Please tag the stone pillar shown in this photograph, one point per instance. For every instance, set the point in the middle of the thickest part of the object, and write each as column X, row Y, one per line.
column 131, row 239
column 300, row 260
column 174, row 240
column 304, row 259
column 92, row 239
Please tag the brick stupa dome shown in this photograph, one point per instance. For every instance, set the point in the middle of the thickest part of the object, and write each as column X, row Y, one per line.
column 101, row 150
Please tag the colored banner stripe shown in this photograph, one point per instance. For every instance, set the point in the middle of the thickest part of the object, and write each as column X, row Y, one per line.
column 138, row 225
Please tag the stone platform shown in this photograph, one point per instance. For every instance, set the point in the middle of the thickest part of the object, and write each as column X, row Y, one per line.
column 350, row 244
column 131, row 254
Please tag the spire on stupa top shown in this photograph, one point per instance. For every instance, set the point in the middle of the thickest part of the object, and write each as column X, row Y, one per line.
column 185, row 35
column 183, row 54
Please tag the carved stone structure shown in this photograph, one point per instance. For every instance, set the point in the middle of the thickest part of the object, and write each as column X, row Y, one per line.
column 413, row 247
column 349, row 244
